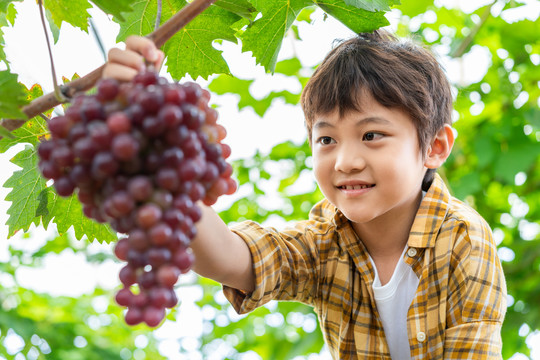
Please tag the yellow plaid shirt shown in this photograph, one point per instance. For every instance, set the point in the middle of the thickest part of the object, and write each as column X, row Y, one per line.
column 459, row 305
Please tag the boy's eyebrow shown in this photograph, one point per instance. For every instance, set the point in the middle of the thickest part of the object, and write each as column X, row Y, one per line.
column 364, row 121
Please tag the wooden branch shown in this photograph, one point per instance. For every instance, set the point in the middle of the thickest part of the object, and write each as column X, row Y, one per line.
column 159, row 37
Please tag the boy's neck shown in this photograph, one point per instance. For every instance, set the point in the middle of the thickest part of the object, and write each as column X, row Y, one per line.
column 386, row 236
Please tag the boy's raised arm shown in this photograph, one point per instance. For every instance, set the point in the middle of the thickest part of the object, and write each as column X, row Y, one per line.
column 219, row 253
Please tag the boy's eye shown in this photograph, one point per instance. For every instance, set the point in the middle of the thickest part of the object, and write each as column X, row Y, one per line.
column 325, row 140
column 370, row 136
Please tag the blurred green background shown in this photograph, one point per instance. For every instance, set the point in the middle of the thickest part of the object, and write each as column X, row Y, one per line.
column 492, row 55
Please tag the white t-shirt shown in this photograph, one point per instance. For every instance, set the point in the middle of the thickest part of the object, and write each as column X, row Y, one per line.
column 393, row 300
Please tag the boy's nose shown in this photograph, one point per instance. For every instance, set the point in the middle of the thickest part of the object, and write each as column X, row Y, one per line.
column 349, row 159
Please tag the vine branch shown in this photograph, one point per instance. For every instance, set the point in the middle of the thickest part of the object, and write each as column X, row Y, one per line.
column 159, row 37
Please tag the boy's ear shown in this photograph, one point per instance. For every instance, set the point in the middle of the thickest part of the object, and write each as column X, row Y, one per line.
column 440, row 148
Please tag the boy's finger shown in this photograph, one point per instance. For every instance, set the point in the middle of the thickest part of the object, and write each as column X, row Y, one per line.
column 159, row 62
column 143, row 46
column 118, row 72
column 127, row 58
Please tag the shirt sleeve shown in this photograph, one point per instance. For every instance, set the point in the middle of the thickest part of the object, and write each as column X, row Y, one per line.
column 285, row 265
column 477, row 296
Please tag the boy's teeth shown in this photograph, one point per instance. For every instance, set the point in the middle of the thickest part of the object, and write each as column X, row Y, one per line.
column 355, row 187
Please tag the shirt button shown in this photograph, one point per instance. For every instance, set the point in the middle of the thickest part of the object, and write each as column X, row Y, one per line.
column 421, row 336
column 411, row 252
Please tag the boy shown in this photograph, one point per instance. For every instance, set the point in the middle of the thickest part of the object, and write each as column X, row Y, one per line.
column 395, row 267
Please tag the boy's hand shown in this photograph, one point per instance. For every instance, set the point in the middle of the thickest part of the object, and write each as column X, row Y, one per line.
column 123, row 65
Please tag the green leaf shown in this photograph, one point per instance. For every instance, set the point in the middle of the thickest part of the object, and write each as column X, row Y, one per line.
column 373, row 5
column 5, row 133
column 73, row 12
column 55, row 30
column 358, row 20
column 26, row 185
column 241, row 8
column 227, row 84
column 264, row 37
column 12, row 95
column 305, row 14
column 7, row 17
column 289, row 67
column 285, row 150
column 3, row 22
column 141, row 20
column 32, row 130
column 190, row 51
column 5, row 3
column 413, row 8
column 114, row 8
column 67, row 212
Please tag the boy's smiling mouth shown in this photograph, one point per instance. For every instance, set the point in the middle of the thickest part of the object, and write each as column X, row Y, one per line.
column 354, row 187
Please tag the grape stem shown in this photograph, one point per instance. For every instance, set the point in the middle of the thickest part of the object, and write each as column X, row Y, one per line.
column 159, row 37
column 98, row 39
column 57, row 90
column 158, row 15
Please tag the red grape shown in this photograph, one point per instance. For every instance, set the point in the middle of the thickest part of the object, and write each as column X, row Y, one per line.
column 133, row 316
column 107, row 89
column 148, row 215
column 121, row 249
column 153, row 315
column 125, row 147
column 139, row 155
column 59, row 126
column 124, row 297
column 119, row 122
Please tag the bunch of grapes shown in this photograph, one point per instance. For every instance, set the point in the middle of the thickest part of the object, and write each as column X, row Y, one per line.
column 139, row 155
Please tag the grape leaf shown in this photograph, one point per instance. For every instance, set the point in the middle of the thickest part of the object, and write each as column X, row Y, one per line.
column 55, row 30
column 190, row 50
column 224, row 84
column 5, row 3
column 414, row 8
column 289, row 67
column 305, row 14
column 114, row 8
column 7, row 17
column 3, row 22
column 239, row 7
column 142, row 19
column 264, row 37
column 32, row 130
column 26, row 185
column 67, row 212
column 12, row 95
column 29, row 133
column 358, row 20
column 373, row 5
column 73, row 12
column 227, row 84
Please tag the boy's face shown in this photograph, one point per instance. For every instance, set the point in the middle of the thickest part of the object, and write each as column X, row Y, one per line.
column 368, row 164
